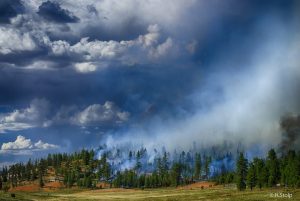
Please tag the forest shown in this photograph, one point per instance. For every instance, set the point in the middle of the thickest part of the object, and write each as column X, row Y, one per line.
column 85, row 169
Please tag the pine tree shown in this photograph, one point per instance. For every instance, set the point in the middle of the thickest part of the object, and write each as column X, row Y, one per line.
column 241, row 171
column 138, row 165
column 207, row 164
column 197, row 173
column 71, row 178
column 147, row 182
column 298, row 168
column 259, row 172
column 141, row 181
column 290, row 173
column 273, row 168
column 176, row 174
column 229, row 178
column 88, row 182
column 41, row 182
column 1, row 183
column 251, row 176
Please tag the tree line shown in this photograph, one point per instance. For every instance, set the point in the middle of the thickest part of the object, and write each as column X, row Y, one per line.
column 83, row 169
column 269, row 172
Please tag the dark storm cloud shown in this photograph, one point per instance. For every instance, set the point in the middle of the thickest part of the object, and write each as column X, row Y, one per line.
column 52, row 11
column 157, row 88
column 130, row 29
column 244, row 23
column 9, row 9
column 92, row 9
column 22, row 58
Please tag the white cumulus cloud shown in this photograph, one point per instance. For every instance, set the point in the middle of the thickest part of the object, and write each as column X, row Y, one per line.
column 33, row 116
column 96, row 54
column 85, row 67
column 12, row 40
column 20, row 143
column 25, row 146
column 43, row 145
column 99, row 114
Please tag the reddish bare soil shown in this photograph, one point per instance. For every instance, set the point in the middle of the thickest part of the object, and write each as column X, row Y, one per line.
column 55, row 184
column 103, row 185
column 50, row 186
column 26, row 188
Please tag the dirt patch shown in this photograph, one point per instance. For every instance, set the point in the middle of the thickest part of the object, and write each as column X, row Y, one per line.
column 103, row 185
column 55, row 184
column 26, row 188
column 50, row 186
column 202, row 184
column 115, row 190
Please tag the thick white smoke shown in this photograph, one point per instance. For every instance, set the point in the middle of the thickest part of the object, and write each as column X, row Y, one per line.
column 251, row 101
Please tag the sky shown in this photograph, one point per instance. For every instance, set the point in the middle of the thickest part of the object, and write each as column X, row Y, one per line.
column 76, row 74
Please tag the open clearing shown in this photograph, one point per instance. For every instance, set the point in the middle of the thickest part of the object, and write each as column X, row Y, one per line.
column 165, row 194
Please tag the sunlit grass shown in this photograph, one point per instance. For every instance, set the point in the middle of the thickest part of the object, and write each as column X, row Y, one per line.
column 165, row 194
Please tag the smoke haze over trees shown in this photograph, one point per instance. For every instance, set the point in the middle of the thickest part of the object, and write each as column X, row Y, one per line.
column 83, row 169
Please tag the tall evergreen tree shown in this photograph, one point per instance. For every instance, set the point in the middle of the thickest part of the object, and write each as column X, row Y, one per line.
column 176, row 174
column 241, row 172
column 41, row 181
column 197, row 172
column 138, row 165
column 290, row 170
column 273, row 168
column 251, row 176
column 1, row 184
column 259, row 172
column 207, row 164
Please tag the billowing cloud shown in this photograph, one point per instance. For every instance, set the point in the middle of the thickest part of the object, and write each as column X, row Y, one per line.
column 100, row 114
column 12, row 41
column 42, row 145
column 73, row 45
column 97, row 54
column 25, row 145
column 52, row 11
column 20, row 143
column 38, row 115
column 33, row 116
column 85, row 67
column 9, row 9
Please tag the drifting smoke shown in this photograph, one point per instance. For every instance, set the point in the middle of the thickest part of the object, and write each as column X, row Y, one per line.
column 239, row 105
column 242, row 106
column 291, row 133
column 145, row 161
column 247, row 115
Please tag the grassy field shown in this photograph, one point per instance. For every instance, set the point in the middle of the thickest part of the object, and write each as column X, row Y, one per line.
column 169, row 194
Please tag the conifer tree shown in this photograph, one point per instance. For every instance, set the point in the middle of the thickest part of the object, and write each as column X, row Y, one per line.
column 176, row 174
column 251, row 176
column 273, row 168
column 41, row 182
column 241, row 172
column 259, row 172
column 197, row 173
column 207, row 164
column 290, row 173
column 1, row 184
